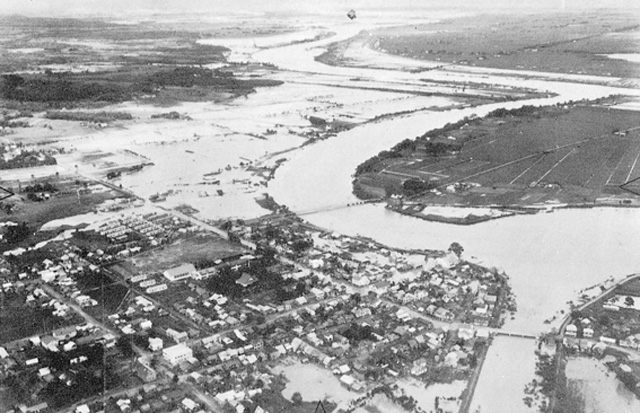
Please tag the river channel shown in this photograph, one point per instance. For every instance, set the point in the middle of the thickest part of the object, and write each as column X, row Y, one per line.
column 549, row 256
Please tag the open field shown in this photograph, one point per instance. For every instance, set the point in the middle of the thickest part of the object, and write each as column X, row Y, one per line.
column 571, row 154
column 564, row 43
column 70, row 198
column 193, row 249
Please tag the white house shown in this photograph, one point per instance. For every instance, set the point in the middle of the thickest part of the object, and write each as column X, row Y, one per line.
column 155, row 344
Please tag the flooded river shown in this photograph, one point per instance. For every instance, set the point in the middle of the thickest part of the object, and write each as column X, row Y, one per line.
column 548, row 256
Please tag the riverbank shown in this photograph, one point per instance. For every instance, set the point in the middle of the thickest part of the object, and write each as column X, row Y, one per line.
column 455, row 215
column 451, row 215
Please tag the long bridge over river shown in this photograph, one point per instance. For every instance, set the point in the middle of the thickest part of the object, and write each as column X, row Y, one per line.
column 336, row 207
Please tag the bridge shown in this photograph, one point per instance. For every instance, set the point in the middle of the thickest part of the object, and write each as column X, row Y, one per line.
column 329, row 208
column 514, row 334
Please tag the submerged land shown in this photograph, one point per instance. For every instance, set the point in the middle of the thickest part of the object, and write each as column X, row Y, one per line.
column 178, row 229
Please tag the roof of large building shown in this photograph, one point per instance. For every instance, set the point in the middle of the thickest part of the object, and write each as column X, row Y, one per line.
column 176, row 350
column 180, row 270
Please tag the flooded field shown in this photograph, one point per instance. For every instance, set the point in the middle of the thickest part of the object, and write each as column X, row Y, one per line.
column 313, row 383
column 380, row 404
column 599, row 389
column 426, row 397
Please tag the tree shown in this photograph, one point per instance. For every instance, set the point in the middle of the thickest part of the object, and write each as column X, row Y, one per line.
column 456, row 249
column 124, row 345
column 415, row 185
column 629, row 301
column 228, row 408
column 296, row 398
column 17, row 233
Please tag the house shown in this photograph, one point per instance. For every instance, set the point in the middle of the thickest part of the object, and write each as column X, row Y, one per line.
column 360, row 281
column 419, row 367
column 49, row 343
column 65, row 333
column 189, row 404
column 83, row 408
column 607, row 340
column 318, row 293
column 178, row 273
column 177, row 354
column 70, row 346
column 44, row 371
column 443, row 314
column 246, row 280
column 145, row 371
column 178, row 337
column 34, row 409
column 571, row 330
column 155, row 344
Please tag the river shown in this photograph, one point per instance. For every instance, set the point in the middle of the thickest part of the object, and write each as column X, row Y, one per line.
column 548, row 256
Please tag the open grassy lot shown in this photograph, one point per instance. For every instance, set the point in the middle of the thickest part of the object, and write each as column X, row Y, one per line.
column 573, row 154
column 191, row 249
column 559, row 42
column 70, row 197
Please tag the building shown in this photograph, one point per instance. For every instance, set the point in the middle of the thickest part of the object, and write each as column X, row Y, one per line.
column 571, row 330
column 155, row 344
column 145, row 371
column 178, row 337
column 181, row 272
column 177, row 354
column 246, row 280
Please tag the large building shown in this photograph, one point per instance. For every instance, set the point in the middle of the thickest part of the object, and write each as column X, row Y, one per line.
column 181, row 272
column 177, row 354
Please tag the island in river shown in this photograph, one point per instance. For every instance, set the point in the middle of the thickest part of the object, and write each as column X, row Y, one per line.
column 576, row 154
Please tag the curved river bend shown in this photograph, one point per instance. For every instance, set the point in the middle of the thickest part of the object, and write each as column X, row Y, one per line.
column 549, row 257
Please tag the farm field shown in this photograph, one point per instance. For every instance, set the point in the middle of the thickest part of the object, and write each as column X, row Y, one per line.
column 562, row 43
column 572, row 154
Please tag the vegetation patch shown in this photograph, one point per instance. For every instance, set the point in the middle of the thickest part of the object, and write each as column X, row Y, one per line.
column 580, row 153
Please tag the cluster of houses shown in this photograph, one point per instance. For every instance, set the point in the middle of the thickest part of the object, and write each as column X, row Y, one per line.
column 153, row 227
column 443, row 287
column 615, row 321
column 29, row 360
column 151, row 398
column 14, row 155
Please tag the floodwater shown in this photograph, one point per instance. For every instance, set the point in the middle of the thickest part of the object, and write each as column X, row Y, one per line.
column 313, row 383
column 600, row 390
column 426, row 397
column 548, row 256
column 506, row 370
column 629, row 57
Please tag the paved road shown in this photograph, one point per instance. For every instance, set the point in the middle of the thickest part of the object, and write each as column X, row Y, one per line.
column 204, row 398
column 87, row 317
